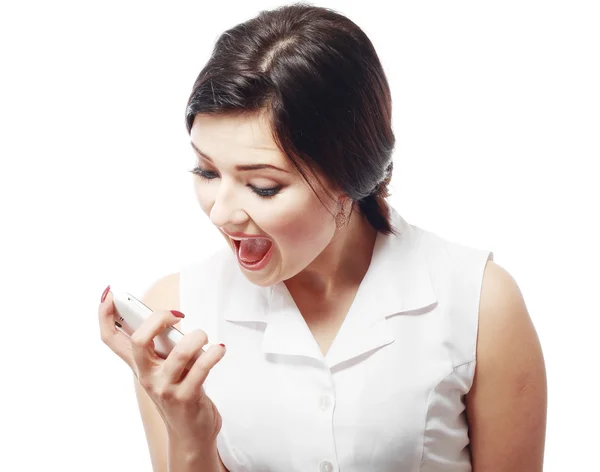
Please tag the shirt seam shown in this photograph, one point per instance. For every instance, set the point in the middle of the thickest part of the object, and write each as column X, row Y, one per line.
column 452, row 372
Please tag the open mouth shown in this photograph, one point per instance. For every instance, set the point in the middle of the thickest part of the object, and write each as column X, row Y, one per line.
column 253, row 253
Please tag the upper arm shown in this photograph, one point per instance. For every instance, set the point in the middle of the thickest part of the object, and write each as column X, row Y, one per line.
column 506, row 406
column 161, row 295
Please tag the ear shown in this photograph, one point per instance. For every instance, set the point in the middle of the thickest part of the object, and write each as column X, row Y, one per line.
column 341, row 201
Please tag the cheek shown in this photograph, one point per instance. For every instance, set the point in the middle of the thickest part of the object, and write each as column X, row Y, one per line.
column 204, row 196
column 302, row 222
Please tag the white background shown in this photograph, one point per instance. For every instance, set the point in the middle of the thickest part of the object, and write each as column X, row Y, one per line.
column 497, row 118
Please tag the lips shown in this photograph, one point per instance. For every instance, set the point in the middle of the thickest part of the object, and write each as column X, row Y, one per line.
column 248, row 254
column 253, row 255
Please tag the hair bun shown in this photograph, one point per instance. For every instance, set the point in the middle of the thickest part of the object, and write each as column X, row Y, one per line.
column 381, row 190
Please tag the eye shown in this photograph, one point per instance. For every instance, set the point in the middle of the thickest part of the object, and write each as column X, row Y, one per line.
column 205, row 174
column 261, row 192
column 266, row 192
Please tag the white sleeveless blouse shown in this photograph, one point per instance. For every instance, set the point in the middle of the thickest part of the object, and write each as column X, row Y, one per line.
column 389, row 394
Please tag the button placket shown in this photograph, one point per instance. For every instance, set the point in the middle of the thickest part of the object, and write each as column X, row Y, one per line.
column 325, row 402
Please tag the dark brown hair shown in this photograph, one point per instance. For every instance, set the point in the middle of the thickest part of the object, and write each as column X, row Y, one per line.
column 317, row 76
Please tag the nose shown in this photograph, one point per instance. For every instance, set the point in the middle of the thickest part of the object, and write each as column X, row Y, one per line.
column 227, row 210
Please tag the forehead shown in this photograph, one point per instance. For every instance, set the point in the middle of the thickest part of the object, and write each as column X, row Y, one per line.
column 236, row 138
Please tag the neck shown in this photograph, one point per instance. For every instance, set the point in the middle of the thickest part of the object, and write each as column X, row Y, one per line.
column 342, row 265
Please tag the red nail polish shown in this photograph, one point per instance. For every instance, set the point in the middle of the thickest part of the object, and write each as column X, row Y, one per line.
column 178, row 314
column 222, row 345
column 104, row 294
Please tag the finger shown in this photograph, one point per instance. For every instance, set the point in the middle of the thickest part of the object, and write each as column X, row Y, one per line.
column 183, row 355
column 196, row 377
column 142, row 339
column 115, row 339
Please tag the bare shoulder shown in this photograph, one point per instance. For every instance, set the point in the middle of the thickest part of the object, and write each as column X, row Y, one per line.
column 163, row 293
column 506, row 406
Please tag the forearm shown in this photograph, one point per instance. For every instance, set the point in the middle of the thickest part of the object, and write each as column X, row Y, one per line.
column 184, row 458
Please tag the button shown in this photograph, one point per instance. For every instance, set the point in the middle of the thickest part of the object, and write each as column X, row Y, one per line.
column 326, row 466
column 324, row 402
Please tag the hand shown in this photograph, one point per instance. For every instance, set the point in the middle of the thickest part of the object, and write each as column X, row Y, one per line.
column 175, row 384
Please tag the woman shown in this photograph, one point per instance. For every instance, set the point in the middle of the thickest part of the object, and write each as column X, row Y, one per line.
column 355, row 341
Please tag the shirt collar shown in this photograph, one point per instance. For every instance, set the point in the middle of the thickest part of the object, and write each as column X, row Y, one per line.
column 397, row 282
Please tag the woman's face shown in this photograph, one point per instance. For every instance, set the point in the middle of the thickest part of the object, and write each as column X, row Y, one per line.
column 241, row 193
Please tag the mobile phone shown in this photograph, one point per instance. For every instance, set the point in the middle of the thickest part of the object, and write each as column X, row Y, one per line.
column 131, row 313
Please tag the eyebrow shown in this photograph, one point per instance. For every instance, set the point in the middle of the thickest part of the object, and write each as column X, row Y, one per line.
column 245, row 167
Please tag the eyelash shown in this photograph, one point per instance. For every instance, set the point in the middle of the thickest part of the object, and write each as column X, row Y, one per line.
column 261, row 192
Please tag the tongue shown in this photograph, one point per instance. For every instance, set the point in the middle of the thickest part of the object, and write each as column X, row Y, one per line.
column 253, row 250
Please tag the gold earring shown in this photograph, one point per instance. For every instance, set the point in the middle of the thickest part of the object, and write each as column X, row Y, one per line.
column 341, row 219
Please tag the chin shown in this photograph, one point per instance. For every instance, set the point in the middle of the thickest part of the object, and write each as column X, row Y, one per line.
column 260, row 279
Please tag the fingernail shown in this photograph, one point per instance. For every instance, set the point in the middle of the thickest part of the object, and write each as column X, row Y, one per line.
column 222, row 345
column 178, row 314
column 104, row 294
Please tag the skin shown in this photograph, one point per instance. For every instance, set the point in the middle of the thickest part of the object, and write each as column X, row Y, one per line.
column 507, row 404
column 309, row 254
